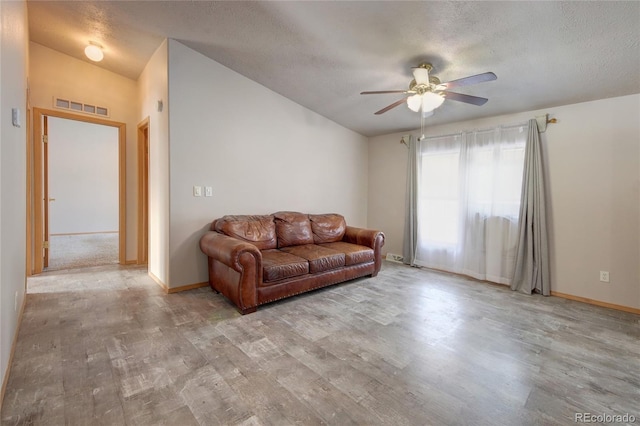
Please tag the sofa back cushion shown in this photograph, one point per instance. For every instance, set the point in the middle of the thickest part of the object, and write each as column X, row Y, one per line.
column 257, row 230
column 327, row 228
column 293, row 229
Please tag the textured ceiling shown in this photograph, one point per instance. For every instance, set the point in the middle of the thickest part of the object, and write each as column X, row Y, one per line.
column 323, row 54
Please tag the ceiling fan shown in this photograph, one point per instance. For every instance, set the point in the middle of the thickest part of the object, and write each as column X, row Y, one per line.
column 426, row 93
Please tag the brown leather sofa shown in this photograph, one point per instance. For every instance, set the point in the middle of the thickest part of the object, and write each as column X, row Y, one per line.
column 255, row 260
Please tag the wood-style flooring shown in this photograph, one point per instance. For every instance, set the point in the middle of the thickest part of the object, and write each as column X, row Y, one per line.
column 106, row 346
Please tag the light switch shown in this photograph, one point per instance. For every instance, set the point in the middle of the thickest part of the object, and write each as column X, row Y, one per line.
column 208, row 191
column 197, row 191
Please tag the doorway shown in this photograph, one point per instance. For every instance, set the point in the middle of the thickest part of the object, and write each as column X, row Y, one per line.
column 82, row 187
column 38, row 224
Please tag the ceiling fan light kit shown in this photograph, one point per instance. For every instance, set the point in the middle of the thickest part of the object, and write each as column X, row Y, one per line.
column 426, row 97
column 424, row 103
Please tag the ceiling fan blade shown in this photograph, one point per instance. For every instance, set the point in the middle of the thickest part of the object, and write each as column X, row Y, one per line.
column 393, row 105
column 386, row 91
column 474, row 79
column 474, row 100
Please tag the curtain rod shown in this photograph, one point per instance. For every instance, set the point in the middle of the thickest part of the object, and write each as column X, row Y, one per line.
column 543, row 120
column 406, row 137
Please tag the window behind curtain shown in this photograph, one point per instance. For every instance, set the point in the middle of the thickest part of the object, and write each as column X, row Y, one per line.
column 440, row 197
column 469, row 199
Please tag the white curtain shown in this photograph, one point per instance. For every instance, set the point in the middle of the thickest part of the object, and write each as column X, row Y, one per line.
column 469, row 187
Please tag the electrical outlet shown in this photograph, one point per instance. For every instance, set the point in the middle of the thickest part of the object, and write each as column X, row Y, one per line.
column 197, row 191
column 604, row 276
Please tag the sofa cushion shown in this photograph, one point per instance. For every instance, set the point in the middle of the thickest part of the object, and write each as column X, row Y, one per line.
column 354, row 253
column 257, row 230
column 278, row 265
column 293, row 229
column 320, row 258
column 327, row 228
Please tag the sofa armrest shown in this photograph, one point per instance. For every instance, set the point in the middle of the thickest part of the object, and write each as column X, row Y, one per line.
column 363, row 237
column 235, row 269
column 370, row 238
column 228, row 250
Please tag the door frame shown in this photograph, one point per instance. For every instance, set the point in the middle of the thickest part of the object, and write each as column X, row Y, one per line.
column 143, row 192
column 45, row 189
column 35, row 180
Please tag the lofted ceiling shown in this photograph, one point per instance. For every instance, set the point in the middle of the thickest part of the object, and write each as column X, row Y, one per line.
column 323, row 54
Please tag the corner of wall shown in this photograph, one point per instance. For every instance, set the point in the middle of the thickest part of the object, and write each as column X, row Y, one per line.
column 153, row 86
column 13, row 84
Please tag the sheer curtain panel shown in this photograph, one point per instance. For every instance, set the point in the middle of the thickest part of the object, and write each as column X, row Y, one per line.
column 468, row 202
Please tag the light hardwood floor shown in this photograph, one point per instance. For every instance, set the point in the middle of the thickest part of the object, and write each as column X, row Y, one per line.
column 106, row 346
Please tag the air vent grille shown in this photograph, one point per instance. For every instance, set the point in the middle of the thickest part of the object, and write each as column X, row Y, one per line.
column 75, row 106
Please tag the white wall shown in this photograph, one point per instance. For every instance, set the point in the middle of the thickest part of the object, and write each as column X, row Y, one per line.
column 258, row 150
column 152, row 87
column 13, row 89
column 592, row 158
column 52, row 73
column 83, row 177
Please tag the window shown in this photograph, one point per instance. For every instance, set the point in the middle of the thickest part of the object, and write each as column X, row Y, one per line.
column 440, row 198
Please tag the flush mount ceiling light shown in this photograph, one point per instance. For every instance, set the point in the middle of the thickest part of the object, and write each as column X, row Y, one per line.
column 94, row 52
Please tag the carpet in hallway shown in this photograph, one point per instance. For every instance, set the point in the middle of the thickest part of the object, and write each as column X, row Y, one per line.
column 82, row 250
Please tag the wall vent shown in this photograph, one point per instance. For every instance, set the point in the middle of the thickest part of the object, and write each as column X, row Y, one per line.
column 80, row 107
column 394, row 257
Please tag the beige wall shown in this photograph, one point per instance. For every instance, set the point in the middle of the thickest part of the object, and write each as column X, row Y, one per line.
column 387, row 188
column 592, row 158
column 258, row 150
column 52, row 73
column 13, row 88
column 153, row 87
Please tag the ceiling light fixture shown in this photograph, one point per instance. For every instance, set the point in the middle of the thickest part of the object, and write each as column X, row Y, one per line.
column 426, row 102
column 94, row 52
column 425, row 99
